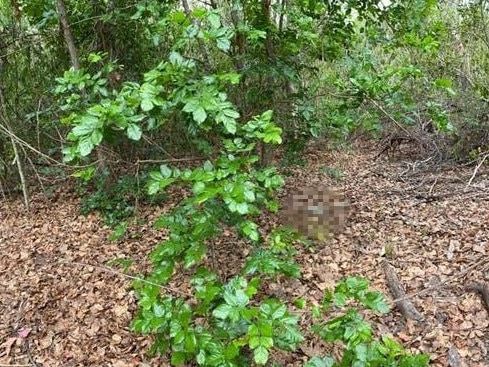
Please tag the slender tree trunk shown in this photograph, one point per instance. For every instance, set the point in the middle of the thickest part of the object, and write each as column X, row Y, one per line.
column 75, row 62
column 18, row 161
column 68, row 36
column 239, row 39
column 267, row 150
column 203, row 51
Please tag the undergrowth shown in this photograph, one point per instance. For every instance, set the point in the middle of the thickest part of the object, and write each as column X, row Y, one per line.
column 233, row 322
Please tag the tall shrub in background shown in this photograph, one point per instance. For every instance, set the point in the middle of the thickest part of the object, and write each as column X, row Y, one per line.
column 216, row 322
column 281, row 50
column 227, row 191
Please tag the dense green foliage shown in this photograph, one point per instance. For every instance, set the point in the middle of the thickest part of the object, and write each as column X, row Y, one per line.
column 123, row 92
column 325, row 69
column 361, row 348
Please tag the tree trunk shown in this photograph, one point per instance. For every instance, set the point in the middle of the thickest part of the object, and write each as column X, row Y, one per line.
column 75, row 62
column 18, row 161
column 65, row 26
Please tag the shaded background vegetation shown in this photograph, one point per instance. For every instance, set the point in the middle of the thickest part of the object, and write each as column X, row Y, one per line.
column 406, row 72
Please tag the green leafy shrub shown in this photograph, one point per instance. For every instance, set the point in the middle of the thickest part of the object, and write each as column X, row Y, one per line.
column 219, row 323
column 359, row 346
column 233, row 323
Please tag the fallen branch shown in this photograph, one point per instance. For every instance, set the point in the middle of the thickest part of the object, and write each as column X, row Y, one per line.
column 403, row 304
column 477, row 169
column 453, row 357
column 481, row 289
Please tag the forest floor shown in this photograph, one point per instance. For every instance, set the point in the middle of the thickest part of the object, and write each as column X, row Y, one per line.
column 61, row 304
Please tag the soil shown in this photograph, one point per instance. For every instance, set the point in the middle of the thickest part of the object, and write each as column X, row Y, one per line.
column 65, row 302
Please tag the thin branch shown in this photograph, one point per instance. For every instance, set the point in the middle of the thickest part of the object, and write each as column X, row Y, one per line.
column 70, row 43
column 203, row 51
column 482, row 259
column 18, row 161
column 114, row 272
column 477, row 169
column 139, row 161
column 390, row 117
column 19, row 141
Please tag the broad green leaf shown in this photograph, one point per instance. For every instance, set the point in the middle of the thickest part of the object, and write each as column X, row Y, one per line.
column 85, row 146
column 273, row 134
column 236, row 297
column 166, row 171
column 242, row 208
column 147, row 104
column 179, row 17
column 85, row 174
column 229, row 112
column 199, row 115
column 97, row 136
column 320, row 362
column 159, row 309
column 316, row 312
column 223, row 44
column 200, row 358
column 265, row 330
column 194, row 255
column 178, row 358
column 95, row 57
column 199, row 12
column 232, row 351
column 176, row 328
column 175, row 58
column 134, row 132
column 444, row 82
column 361, row 352
column 190, row 342
column 250, row 229
column 69, row 153
column 254, row 341
column 260, row 355
column 222, row 311
column 158, row 183
column 198, row 187
column 266, row 341
column 253, row 287
column 198, row 112
column 339, row 299
column 233, row 78
column 204, row 196
column 249, row 192
column 267, row 115
column 274, row 310
column 228, row 123
column 214, row 20
column 300, row 303
column 208, row 167
column 86, row 125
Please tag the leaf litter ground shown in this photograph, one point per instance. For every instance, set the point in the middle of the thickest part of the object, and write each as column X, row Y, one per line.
column 61, row 305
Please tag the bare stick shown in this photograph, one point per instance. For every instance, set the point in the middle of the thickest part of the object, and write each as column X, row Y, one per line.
column 405, row 306
column 477, row 168
column 114, row 272
column 453, row 357
column 20, row 169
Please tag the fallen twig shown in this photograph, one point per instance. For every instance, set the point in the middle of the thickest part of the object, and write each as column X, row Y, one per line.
column 453, row 357
column 484, row 157
column 404, row 305
column 481, row 289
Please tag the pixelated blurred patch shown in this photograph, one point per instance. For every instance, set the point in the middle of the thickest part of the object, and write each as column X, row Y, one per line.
column 315, row 211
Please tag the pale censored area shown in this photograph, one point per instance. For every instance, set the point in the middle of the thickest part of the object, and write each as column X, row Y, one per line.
column 316, row 211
